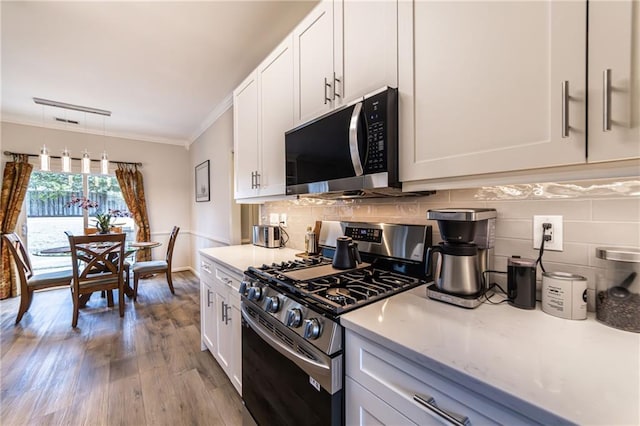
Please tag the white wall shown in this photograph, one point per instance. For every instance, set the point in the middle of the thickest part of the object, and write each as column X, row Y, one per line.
column 168, row 176
column 216, row 222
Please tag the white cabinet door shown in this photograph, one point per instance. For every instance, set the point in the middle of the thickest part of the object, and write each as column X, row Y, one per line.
column 365, row 409
column 313, row 59
column 245, row 137
column 235, row 322
column 275, row 82
column 481, row 86
column 614, row 40
column 223, row 351
column 208, row 316
column 366, row 47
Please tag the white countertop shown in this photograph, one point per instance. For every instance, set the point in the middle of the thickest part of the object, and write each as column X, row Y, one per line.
column 581, row 371
column 242, row 256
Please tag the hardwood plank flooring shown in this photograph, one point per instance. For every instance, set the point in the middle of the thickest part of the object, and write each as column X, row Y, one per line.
column 143, row 369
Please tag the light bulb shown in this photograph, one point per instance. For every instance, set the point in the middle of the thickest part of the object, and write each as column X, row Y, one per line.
column 66, row 161
column 86, row 162
column 45, row 159
column 104, row 163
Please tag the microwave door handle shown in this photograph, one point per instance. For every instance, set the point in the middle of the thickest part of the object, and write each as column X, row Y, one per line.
column 353, row 139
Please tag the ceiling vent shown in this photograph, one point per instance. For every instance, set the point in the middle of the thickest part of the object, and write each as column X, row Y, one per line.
column 64, row 120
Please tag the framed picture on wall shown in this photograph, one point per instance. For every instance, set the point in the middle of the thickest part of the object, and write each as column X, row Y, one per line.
column 202, row 182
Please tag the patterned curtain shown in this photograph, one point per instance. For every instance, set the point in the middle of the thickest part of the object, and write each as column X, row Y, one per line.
column 14, row 188
column 130, row 180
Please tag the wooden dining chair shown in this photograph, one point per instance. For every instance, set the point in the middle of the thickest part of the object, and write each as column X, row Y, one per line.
column 97, row 262
column 156, row 266
column 30, row 281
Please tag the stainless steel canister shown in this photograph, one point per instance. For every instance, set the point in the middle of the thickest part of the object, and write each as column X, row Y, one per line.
column 564, row 295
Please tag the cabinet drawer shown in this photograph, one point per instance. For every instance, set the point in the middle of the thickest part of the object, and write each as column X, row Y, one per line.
column 228, row 277
column 364, row 408
column 397, row 380
column 207, row 270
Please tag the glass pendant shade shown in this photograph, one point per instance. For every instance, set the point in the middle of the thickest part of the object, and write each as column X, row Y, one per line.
column 45, row 159
column 86, row 163
column 104, row 164
column 66, row 161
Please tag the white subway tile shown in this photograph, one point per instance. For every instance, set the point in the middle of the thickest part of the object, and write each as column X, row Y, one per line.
column 618, row 210
column 525, row 209
column 617, row 233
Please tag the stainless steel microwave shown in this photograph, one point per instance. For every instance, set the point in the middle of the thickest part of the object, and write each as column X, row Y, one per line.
column 351, row 150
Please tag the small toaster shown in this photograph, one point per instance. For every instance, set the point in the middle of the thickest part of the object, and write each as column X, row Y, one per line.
column 266, row 236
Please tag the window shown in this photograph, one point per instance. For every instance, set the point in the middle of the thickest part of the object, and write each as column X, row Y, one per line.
column 49, row 214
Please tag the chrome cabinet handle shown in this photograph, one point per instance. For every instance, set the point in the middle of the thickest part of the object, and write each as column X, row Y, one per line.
column 565, row 109
column 208, row 298
column 253, row 180
column 223, row 312
column 606, row 100
column 335, row 86
column 430, row 404
column 257, row 180
column 353, row 139
column 326, row 84
column 226, row 314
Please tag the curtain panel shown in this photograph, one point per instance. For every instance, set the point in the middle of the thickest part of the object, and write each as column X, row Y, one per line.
column 132, row 186
column 14, row 188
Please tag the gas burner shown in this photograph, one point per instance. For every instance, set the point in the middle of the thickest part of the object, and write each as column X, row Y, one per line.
column 340, row 295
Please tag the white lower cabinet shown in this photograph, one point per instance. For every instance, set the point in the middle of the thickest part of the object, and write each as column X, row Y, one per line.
column 220, row 317
column 383, row 387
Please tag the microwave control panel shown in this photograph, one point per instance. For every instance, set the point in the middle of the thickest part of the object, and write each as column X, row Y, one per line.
column 375, row 110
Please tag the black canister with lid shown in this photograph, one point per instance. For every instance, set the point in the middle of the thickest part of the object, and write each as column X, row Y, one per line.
column 521, row 282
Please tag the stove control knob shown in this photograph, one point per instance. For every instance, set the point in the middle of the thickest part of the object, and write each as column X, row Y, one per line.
column 311, row 328
column 294, row 318
column 243, row 287
column 255, row 293
column 273, row 304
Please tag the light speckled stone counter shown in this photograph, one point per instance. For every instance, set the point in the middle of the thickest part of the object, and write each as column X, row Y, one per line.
column 581, row 371
column 240, row 257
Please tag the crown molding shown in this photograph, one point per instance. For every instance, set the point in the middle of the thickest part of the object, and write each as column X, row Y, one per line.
column 213, row 117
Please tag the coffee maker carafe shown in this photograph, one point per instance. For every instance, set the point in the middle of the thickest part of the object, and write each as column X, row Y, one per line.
column 467, row 234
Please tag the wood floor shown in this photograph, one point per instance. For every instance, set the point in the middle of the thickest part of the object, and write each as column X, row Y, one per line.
column 143, row 369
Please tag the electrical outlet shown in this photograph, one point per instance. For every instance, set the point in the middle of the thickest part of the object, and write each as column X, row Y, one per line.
column 555, row 243
column 273, row 219
column 283, row 220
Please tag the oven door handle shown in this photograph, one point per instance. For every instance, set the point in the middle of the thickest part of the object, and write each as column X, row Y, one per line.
column 306, row 364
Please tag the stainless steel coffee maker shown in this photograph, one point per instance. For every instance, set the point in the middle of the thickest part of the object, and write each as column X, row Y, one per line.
column 463, row 256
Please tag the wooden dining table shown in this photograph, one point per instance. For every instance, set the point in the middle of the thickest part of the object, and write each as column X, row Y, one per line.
column 130, row 249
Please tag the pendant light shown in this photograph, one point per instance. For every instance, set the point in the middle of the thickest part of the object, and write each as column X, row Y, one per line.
column 66, row 161
column 104, row 163
column 45, row 159
column 104, row 159
column 86, row 163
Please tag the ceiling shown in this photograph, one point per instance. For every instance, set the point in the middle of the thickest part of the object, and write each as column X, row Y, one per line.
column 164, row 69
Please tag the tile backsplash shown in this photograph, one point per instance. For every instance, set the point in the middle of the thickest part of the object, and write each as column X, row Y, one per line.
column 595, row 213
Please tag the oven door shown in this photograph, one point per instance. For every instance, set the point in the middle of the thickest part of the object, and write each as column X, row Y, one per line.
column 285, row 380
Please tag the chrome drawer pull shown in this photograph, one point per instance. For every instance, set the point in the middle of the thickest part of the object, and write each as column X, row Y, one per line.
column 451, row 417
column 565, row 109
column 208, row 298
column 606, row 100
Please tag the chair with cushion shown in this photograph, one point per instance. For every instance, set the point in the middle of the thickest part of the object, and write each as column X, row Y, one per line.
column 97, row 262
column 156, row 266
column 30, row 282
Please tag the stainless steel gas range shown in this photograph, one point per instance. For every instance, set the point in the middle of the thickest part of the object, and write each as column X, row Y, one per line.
column 292, row 340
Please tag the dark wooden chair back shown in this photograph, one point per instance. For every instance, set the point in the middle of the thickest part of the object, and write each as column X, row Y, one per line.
column 20, row 256
column 98, row 264
column 172, row 243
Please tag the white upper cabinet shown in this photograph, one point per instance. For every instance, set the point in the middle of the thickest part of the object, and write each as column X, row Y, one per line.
column 366, row 40
column 614, row 80
column 275, row 82
column 262, row 113
column 343, row 50
column 245, row 137
column 313, row 58
column 490, row 86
